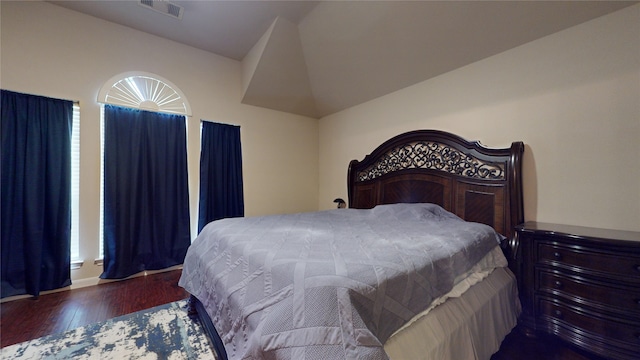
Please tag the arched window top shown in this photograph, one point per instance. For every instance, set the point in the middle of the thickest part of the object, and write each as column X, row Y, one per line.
column 146, row 91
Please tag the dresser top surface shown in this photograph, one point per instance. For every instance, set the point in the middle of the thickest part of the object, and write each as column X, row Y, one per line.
column 579, row 231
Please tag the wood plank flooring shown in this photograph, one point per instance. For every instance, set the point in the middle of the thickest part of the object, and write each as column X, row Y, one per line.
column 27, row 319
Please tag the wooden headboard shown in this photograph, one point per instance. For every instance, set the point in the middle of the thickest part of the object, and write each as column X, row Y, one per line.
column 476, row 183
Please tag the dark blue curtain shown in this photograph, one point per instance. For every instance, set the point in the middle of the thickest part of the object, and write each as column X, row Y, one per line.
column 146, row 196
column 221, row 194
column 36, row 193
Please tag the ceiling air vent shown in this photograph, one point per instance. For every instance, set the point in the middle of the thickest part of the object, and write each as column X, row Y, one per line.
column 164, row 7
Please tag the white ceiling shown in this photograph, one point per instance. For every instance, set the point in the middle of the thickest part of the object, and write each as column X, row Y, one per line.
column 315, row 58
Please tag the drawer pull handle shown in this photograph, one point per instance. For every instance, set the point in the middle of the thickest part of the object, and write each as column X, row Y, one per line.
column 637, row 267
column 558, row 285
column 558, row 256
column 557, row 313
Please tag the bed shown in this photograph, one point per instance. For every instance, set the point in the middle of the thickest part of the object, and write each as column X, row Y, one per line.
column 418, row 266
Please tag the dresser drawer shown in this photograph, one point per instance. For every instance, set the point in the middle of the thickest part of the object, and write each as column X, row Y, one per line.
column 624, row 332
column 603, row 296
column 581, row 284
column 622, row 265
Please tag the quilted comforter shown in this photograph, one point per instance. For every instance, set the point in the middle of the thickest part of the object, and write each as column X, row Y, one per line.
column 330, row 284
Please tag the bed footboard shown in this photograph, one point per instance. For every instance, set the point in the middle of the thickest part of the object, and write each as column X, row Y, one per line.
column 196, row 310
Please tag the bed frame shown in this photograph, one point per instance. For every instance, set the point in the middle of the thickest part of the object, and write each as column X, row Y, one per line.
column 476, row 183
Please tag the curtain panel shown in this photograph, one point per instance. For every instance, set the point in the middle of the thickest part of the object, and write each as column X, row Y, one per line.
column 146, row 196
column 221, row 193
column 36, row 193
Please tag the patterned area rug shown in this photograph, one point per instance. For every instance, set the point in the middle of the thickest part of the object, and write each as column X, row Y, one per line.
column 163, row 332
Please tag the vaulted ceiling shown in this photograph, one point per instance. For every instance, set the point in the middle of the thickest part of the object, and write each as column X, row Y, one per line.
column 315, row 58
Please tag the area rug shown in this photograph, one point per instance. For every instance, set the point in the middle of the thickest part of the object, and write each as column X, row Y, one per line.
column 162, row 332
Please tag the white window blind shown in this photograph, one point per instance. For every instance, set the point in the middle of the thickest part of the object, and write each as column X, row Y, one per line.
column 101, row 231
column 75, row 184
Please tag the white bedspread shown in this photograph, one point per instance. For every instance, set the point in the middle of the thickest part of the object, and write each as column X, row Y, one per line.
column 328, row 285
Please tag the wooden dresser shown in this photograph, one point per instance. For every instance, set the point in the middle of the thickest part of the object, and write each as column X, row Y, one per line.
column 582, row 285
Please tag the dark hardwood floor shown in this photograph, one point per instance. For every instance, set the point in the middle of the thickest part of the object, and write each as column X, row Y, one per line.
column 28, row 319
column 518, row 346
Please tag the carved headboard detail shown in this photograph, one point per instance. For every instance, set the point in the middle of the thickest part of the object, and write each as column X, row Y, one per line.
column 477, row 183
column 434, row 156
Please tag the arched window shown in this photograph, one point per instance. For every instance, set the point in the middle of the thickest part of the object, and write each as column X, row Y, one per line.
column 145, row 91
column 135, row 155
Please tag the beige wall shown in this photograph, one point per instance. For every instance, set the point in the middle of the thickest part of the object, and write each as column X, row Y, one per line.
column 572, row 97
column 51, row 51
